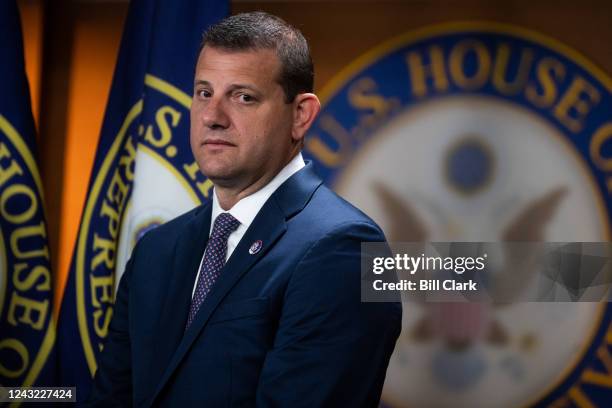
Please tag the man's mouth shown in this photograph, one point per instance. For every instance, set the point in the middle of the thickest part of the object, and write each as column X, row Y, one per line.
column 217, row 142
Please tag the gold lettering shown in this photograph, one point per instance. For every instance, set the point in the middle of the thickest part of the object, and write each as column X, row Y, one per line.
column 102, row 330
column 361, row 96
column 28, row 211
column 602, row 135
column 457, row 64
column 107, row 253
column 500, row 69
column 204, row 187
column 547, row 71
column 580, row 398
column 603, row 379
column 590, row 376
column 164, row 128
column 419, row 72
column 26, row 232
column 326, row 153
column 128, row 159
column 28, row 306
column 7, row 173
column 113, row 219
column 580, row 97
column 117, row 190
column 18, row 347
column 105, row 284
column 193, row 170
column 24, row 284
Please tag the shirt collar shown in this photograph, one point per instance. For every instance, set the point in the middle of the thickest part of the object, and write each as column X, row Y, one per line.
column 247, row 208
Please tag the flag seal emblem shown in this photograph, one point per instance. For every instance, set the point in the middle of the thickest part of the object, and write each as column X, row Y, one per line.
column 456, row 131
column 108, row 230
column 25, row 277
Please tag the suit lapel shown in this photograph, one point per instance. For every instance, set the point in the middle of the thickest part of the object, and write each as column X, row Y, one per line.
column 268, row 226
column 187, row 256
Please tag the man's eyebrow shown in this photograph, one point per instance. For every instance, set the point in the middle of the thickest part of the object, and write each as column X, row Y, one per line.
column 234, row 87
column 231, row 88
column 201, row 82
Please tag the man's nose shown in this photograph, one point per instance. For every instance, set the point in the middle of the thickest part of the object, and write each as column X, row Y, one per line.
column 214, row 115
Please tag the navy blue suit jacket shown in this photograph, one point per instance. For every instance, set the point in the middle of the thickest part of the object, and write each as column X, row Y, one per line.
column 283, row 327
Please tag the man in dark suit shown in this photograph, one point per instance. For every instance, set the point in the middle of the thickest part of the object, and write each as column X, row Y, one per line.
column 252, row 299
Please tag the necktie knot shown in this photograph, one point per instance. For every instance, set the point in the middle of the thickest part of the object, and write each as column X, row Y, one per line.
column 224, row 225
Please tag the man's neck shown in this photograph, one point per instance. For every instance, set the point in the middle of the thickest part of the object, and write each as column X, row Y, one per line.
column 228, row 196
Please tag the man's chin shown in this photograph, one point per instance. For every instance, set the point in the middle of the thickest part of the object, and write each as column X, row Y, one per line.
column 221, row 178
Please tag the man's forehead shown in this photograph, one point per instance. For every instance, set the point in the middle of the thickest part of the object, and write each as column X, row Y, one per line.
column 246, row 66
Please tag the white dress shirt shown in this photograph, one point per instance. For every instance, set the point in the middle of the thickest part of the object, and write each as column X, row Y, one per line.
column 247, row 208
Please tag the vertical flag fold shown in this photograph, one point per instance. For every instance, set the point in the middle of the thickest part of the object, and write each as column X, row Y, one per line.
column 27, row 328
column 143, row 174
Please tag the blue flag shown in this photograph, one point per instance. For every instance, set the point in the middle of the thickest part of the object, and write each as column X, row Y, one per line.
column 144, row 173
column 27, row 328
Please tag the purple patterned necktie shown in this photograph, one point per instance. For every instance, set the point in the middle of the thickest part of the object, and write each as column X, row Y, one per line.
column 214, row 259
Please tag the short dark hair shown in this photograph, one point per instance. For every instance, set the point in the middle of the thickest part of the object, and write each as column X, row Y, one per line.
column 260, row 30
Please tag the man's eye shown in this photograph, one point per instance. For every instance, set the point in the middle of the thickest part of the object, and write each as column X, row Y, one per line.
column 203, row 93
column 245, row 98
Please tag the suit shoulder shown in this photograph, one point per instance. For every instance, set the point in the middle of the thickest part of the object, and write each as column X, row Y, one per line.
column 331, row 212
column 343, row 210
column 171, row 230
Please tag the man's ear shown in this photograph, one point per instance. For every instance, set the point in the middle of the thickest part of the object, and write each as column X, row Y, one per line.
column 306, row 107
